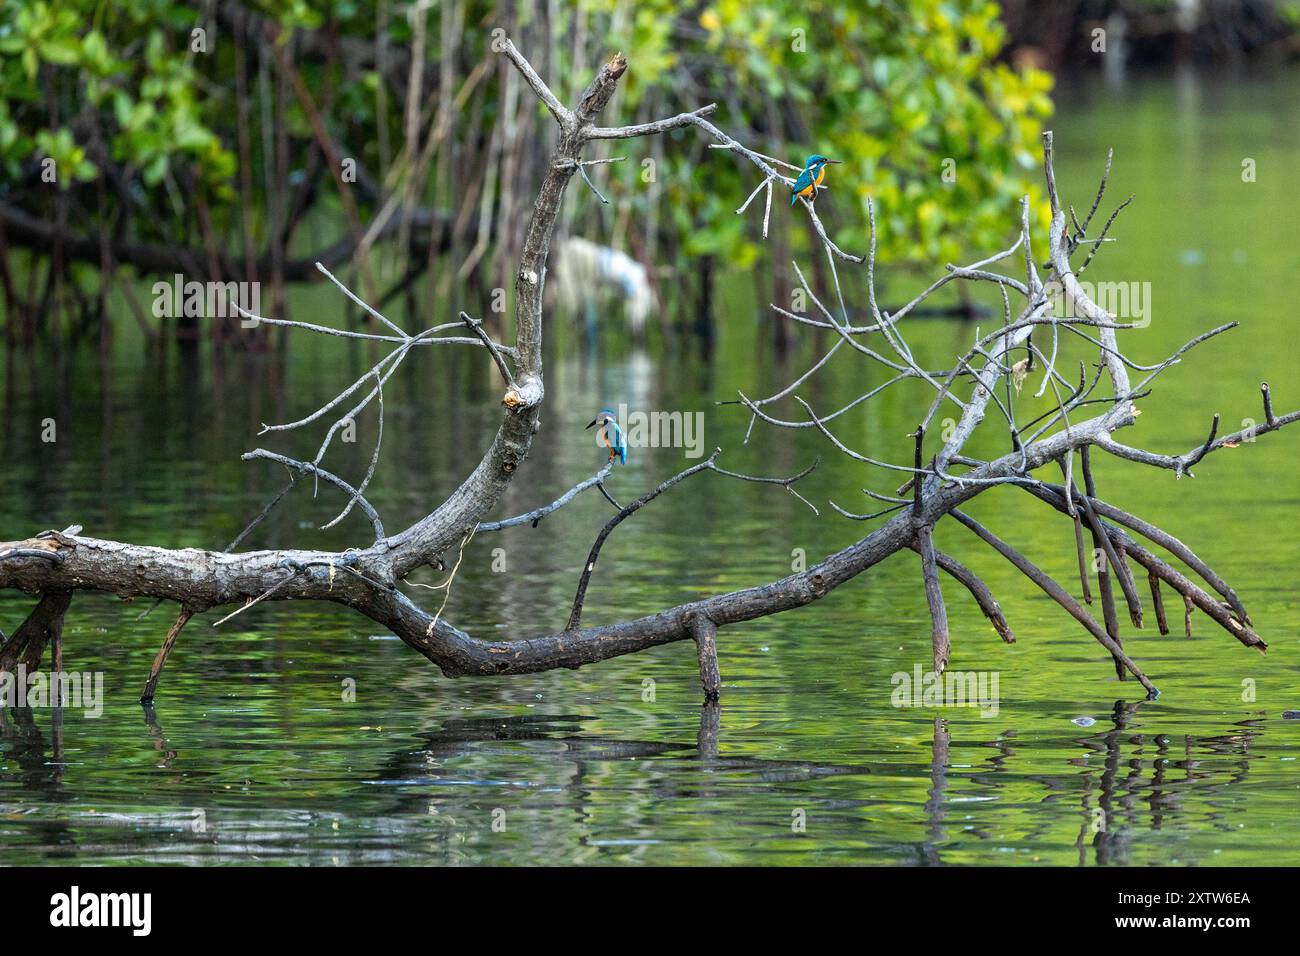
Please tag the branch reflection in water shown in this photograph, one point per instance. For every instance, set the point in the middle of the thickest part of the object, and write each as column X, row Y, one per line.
column 1115, row 778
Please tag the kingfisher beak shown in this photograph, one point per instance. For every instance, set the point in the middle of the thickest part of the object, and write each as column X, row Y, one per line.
column 593, row 422
column 837, row 162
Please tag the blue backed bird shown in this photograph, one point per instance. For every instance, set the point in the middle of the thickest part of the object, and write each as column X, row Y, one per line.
column 610, row 435
column 814, row 171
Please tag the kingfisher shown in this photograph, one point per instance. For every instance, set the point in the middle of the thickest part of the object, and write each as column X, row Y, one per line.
column 610, row 435
column 814, row 171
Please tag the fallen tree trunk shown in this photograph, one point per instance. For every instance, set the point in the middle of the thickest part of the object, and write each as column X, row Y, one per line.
column 369, row 579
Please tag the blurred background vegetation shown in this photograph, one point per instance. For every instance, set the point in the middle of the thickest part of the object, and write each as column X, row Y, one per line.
column 245, row 141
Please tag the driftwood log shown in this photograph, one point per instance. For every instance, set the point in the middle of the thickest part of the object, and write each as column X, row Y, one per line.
column 939, row 480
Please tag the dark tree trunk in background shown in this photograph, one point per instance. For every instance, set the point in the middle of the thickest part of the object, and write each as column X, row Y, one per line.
column 703, row 326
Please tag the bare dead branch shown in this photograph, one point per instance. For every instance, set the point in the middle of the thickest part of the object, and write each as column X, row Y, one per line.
column 978, row 590
column 575, row 616
column 786, row 483
column 1116, row 560
column 44, row 624
column 1159, row 602
column 649, row 129
column 940, row 646
column 1180, row 464
column 705, row 633
column 164, row 652
column 1167, row 541
column 477, row 328
column 1104, row 230
column 538, row 85
column 1101, row 191
column 1192, row 593
column 535, row 516
column 1057, row 593
column 308, row 468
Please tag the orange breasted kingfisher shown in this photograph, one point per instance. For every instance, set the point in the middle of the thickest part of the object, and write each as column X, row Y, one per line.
column 610, row 435
column 814, row 171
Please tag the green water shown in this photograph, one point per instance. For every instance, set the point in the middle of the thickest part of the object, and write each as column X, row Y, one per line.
column 254, row 756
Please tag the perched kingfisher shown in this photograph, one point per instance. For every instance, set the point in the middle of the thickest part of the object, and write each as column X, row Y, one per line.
column 610, row 435
column 814, row 171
